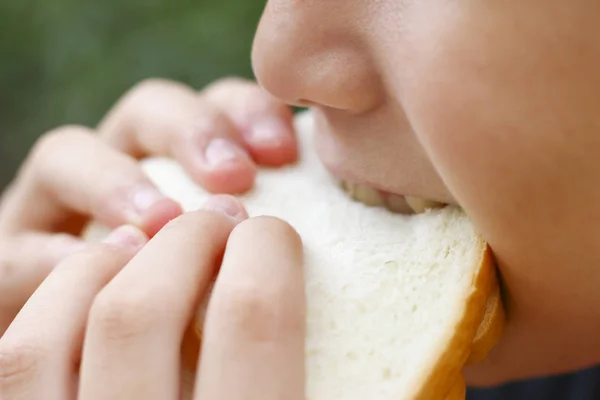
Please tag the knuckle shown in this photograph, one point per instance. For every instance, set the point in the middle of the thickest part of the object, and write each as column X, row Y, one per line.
column 264, row 102
column 121, row 117
column 119, row 316
column 18, row 365
column 244, row 93
column 231, row 83
column 256, row 100
column 263, row 108
column 56, row 138
column 211, row 121
column 149, row 85
column 152, row 86
column 54, row 142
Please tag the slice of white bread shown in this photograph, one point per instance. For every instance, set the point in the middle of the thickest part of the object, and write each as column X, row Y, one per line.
column 396, row 304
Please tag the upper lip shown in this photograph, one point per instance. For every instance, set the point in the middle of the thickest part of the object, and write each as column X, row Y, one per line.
column 324, row 119
column 329, row 124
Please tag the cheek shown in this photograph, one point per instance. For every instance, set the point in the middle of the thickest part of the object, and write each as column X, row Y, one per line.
column 503, row 99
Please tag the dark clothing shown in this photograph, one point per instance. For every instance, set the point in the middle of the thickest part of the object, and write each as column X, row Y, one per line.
column 583, row 385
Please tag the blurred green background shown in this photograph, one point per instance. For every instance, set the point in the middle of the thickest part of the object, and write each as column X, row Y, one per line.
column 67, row 61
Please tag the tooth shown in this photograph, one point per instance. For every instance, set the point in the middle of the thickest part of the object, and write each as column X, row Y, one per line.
column 420, row 205
column 398, row 204
column 344, row 185
column 367, row 195
column 351, row 189
column 348, row 188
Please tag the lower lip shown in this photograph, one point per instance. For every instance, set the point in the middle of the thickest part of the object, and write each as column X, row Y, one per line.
column 377, row 198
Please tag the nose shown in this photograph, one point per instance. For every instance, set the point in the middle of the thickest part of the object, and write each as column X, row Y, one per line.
column 312, row 53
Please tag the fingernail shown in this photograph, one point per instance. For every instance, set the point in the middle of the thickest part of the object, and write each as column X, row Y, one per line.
column 126, row 235
column 227, row 205
column 221, row 151
column 270, row 131
column 143, row 199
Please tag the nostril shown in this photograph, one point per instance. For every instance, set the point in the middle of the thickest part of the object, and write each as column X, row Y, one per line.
column 305, row 103
column 302, row 103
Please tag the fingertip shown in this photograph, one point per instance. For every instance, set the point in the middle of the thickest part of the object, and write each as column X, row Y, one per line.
column 158, row 215
column 283, row 154
column 227, row 205
column 235, row 178
column 221, row 166
column 272, row 141
column 127, row 236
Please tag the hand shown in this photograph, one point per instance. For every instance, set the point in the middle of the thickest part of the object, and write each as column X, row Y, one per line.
column 108, row 323
column 75, row 174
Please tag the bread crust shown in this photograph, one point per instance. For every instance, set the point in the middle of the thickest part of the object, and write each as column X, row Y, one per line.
column 458, row 391
column 478, row 329
column 490, row 330
column 442, row 378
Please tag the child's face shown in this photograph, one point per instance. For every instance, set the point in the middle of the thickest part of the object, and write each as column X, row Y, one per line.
column 489, row 104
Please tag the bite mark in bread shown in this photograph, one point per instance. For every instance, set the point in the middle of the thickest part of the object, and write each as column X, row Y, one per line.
column 422, row 286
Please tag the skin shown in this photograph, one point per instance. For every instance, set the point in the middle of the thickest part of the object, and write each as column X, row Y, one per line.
column 52, row 198
column 491, row 106
column 99, row 311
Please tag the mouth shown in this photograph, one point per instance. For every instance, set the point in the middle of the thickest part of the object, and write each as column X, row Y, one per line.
column 359, row 187
column 395, row 203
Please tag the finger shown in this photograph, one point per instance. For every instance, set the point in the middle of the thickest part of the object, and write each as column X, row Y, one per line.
column 137, row 322
column 71, row 172
column 40, row 350
column 253, row 340
column 25, row 261
column 163, row 118
column 265, row 122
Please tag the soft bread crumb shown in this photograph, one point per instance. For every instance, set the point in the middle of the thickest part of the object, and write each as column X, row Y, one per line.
column 385, row 292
